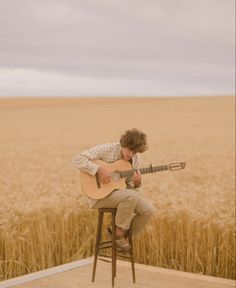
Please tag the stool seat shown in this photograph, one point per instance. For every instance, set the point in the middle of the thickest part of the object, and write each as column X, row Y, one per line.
column 115, row 251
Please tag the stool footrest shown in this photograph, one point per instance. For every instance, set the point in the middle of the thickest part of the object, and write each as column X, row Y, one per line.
column 104, row 255
column 104, row 247
column 105, row 260
column 124, row 256
column 105, row 242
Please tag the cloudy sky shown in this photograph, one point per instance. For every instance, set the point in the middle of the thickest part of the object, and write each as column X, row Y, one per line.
column 117, row 48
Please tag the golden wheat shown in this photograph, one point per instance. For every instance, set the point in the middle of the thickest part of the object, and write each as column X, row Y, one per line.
column 44, row 217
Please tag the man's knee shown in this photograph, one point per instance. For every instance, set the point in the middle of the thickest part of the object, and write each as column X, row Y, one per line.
column 153, row 210
column 131, row 195
column 148, row 209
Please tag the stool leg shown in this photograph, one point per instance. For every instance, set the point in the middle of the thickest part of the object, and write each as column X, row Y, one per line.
column 131, row 253
column 113, row 261
column 98, row 238
column 115, row 251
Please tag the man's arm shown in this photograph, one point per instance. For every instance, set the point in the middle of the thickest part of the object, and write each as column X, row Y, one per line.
column 84, row 160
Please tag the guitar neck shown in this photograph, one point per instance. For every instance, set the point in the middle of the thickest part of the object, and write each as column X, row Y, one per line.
column 151, row 169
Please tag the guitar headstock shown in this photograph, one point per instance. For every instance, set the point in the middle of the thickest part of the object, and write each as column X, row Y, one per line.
column 177, row 166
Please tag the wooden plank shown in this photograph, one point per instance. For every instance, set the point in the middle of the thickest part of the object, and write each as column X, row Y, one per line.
column 45, row 273
column 147, row 276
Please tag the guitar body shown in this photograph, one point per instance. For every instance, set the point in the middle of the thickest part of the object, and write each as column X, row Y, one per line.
column 95, row 189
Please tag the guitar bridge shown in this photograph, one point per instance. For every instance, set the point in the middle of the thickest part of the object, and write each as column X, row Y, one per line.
column 97, row 181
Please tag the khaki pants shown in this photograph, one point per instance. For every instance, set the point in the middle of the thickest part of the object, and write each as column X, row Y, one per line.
column 131, row 207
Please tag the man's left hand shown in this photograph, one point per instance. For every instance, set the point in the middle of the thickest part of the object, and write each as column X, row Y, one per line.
column 137, row 178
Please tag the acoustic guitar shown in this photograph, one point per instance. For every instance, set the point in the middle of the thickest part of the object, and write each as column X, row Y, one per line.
column 119, row 171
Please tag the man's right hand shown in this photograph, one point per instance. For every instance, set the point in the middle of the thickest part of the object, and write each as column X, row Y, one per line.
column 103, row 175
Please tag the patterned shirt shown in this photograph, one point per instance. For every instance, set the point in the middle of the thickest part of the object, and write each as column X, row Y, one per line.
column 109, row 152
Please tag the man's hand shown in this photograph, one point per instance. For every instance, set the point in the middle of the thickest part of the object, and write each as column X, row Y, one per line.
column 137, row 178
column 103, row 175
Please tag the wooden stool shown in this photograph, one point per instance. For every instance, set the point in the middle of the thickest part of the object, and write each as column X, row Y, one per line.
column 99, row 245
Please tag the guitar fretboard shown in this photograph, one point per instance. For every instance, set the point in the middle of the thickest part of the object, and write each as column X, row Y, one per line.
column 151, row 169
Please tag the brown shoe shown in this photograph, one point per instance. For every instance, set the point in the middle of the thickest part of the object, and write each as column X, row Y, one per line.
column 122, row 244
column 109, row 233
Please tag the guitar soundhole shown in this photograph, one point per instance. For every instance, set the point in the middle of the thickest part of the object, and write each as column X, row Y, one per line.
column 115, row 176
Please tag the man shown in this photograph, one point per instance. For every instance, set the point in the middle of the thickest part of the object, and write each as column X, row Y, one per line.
column 132, row 209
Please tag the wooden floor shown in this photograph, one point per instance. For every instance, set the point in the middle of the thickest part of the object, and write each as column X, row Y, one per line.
column 78, row 274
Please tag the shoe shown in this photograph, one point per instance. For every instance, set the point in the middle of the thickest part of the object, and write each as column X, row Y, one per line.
column 122, row 244
column 109, row 233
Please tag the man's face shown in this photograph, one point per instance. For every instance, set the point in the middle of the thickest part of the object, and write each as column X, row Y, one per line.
column 127, row 154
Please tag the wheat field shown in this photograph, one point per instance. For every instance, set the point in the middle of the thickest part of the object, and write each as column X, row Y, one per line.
column 44, row 217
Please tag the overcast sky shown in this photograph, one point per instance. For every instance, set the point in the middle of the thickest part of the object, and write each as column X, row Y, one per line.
column 117, row 48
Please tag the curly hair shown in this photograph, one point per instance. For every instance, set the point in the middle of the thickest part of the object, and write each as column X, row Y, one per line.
column 135, row 140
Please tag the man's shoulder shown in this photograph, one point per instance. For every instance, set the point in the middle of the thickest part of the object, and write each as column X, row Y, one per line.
column 107, row 147
column 112, row 145
column 108, row 144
